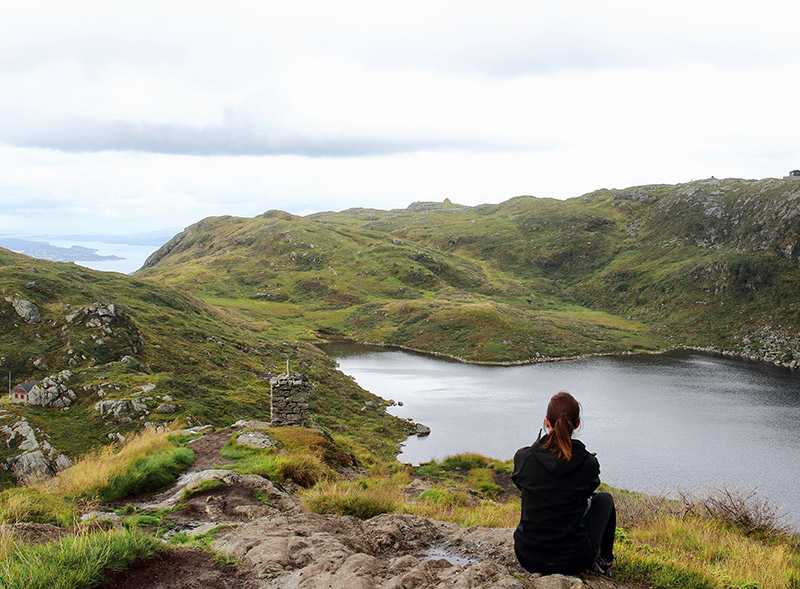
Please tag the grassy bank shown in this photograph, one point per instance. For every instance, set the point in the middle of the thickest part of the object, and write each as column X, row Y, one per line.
column 721, row 541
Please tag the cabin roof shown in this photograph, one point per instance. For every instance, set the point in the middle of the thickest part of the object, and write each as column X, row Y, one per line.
column 27, row 386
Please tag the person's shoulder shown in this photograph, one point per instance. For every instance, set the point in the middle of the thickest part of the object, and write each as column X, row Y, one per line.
column 523, row 452
column 579, row 449
column 578, row 446
column 588, row 458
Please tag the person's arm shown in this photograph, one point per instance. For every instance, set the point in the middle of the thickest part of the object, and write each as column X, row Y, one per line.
column 593, row 468
column 519, row 461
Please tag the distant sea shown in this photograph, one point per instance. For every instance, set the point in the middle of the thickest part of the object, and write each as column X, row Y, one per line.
column 134, row 255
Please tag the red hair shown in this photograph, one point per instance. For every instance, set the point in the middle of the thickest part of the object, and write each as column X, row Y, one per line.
column 564, row 415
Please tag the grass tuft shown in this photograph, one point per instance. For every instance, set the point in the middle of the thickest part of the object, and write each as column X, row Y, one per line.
column 303, row 460
column 466, row 461
column 107, row 472
column 149, row 473
column 204, row 486
column 343, row 499
column 72, row 562
column 147, row 461
column 29, row 504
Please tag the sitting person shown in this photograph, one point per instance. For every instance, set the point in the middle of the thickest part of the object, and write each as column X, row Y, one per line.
column 565, row 527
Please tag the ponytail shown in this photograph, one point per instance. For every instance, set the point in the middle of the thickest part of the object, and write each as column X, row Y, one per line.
column 563, row 413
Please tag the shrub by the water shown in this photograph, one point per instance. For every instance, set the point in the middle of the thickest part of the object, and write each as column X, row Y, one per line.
column 695, row 543
column 747, row 511
column 465, row 461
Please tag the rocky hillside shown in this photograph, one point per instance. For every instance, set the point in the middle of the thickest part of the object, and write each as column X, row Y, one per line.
column 711, row 263
column 113, row 354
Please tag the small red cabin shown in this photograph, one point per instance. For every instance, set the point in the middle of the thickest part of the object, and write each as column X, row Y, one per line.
column 19, row 394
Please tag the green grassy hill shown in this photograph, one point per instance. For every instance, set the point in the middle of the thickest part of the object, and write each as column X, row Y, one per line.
column 710, row 263
column 126, row 338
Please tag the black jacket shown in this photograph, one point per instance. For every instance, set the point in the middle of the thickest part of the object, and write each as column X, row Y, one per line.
column 554, row 501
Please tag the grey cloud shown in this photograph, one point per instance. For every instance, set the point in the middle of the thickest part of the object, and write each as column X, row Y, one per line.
column 89, row 135
column 596, row 51
column 28, row 201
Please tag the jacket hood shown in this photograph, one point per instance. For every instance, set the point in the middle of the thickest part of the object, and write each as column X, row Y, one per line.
column 559, row 468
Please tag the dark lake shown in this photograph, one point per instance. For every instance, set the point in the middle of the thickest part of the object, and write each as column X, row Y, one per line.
column 658, row 423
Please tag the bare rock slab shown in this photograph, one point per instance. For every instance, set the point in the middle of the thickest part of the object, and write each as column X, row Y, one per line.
column 256, row 439
column 309, row 551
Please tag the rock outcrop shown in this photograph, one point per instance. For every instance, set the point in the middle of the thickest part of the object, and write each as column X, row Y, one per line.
column 37, row 461
column 53, row 391
column 233, row 500
column 26, row 310
column 167, row 408
column 112, row 335
column 772, row 344
column 252, row 423
column 121, row 408
column 421, row 430
column 256, row 439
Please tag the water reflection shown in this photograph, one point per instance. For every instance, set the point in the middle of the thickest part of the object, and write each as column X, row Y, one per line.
column 657, row 423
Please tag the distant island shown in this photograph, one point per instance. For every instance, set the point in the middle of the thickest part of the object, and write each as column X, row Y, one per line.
column 45, row 251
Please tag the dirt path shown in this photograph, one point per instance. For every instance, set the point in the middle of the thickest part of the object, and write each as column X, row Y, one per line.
column 184, row 569
column 206, row 450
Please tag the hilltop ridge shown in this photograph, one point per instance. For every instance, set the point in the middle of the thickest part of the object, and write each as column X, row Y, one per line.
column 710, row 263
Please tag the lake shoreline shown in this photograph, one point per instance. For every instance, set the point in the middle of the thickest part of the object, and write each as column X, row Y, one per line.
column 545, row 359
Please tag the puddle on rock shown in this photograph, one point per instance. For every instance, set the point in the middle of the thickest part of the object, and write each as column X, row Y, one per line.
column 98, row 515
column 188, row 527
column 437, row 552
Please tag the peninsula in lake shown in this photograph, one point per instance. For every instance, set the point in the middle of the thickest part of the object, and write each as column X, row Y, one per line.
column 45, row 251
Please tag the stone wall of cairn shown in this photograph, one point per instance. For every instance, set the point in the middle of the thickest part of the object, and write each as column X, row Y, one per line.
column 288, row 403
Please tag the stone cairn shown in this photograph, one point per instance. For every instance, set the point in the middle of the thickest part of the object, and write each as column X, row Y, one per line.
column 288, row 401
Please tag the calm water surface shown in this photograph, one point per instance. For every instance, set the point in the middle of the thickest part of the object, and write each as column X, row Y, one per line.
column 657, row 422
column 133, row 255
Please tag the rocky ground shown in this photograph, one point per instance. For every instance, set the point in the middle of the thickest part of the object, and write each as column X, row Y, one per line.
column 278, row 545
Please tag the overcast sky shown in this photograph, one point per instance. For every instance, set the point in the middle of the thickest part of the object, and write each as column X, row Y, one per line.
column 119, row 117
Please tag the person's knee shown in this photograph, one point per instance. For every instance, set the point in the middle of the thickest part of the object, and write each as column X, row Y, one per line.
column 603, row 499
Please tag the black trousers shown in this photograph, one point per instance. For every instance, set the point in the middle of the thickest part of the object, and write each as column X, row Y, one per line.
column 601, row 523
